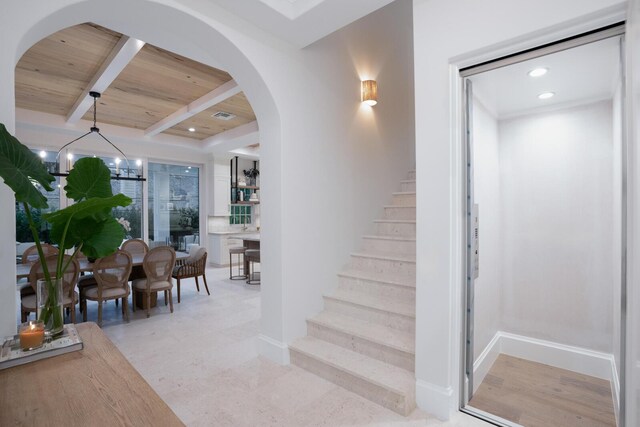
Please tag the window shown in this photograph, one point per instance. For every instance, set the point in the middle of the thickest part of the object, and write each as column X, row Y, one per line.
column 174, row 204
column 23, row 233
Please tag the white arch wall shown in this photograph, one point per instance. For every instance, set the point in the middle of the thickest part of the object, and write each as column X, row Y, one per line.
column 328, row 164
column 448, row 35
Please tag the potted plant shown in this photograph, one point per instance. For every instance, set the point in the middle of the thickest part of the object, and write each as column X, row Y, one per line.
column 87, row 225
column 251, row 174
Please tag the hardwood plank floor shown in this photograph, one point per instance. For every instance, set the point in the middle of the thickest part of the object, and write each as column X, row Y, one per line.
column 537, row 395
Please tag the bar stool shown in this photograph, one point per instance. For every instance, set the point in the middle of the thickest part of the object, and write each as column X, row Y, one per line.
column 237, row 250
column 253, row 256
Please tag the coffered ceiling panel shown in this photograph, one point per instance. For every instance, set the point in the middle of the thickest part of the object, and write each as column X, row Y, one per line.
column 53, row 73
column 154, row 85
column 207, row 126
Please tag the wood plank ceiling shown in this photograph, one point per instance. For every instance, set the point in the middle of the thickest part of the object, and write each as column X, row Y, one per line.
column 155, row 84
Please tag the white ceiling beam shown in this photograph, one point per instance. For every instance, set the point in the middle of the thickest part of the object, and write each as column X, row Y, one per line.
column 238, row 137
column 216, row 96
column 123, row 52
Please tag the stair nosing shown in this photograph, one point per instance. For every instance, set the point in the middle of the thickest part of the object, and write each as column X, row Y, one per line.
column 359, row 274
column 351, row 371
column 358, row 303
column 372, row 339
column 395, row 221
column 400, row 206
column 392, row 238
column 404, row 193
column 382, row 256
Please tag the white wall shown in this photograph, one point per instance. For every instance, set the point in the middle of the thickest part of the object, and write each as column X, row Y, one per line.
column 316, row 136
column 447, row 35
column 557, row 226
column 488, row 286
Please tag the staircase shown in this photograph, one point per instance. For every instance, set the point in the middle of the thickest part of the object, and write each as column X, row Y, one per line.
column 364, row 340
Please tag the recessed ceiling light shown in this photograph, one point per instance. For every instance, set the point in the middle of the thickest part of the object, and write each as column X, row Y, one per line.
column 546, row 95
column 537, row 72
column 192, row 129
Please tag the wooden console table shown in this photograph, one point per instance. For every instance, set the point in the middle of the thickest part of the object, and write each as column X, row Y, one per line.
column 94, row 386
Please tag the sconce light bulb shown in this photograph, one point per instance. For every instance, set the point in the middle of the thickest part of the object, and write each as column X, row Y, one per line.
column 70, row 156
column 118, row 160
column 138, row 162
column 43, row 154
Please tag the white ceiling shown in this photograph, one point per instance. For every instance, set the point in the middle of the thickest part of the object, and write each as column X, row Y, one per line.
column 301, row 22
column 579, row 75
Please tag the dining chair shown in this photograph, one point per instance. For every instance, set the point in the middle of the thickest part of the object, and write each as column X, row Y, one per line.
column 29, row 256
column 69, row 278
column 158, row 265
column 193, row 266
column 112, row 276
column 135, row 247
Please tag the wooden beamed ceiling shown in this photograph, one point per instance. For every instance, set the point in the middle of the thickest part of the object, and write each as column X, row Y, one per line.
column 155, row 84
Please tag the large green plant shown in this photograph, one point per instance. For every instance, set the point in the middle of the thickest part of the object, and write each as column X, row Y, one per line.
column 86, row 225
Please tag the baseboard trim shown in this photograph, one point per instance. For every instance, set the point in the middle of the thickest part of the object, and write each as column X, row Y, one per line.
column 577, row 359
column 436, row 400
column 273, row 350
column 485, row 361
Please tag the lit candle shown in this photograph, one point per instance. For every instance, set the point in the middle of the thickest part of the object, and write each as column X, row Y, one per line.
column 118, row 165
column 31, row 334
column 69, row 161
column 140, row 167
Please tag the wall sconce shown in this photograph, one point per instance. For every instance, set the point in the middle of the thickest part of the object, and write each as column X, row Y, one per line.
column 370, row 92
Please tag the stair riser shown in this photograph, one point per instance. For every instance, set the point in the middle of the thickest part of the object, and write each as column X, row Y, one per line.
column 392, row 320
column 399, row 293
column 404, row 199
column 401, row 359
column 408, row 186
column 399, row 247
column 411, row 175
column 383, row 266
column 400, row 213
column 395, row 229
column 390, row 399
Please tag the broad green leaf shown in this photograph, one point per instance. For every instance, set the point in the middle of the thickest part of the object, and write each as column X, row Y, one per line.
column 89, row 178
column 99, row 237
column 105, row 241
column 95, row 207
column 18, row 166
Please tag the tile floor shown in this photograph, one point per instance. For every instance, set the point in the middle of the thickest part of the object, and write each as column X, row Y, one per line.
column 203, row 361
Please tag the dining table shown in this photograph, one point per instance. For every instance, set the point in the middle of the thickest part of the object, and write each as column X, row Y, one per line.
column 249, row 241
column 22, row 270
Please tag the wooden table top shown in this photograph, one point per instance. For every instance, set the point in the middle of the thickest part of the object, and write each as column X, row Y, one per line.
column 94, row 386
column 22, row 270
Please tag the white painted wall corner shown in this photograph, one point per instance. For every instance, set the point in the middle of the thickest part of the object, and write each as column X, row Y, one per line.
column 273, row 350
column 436, row 400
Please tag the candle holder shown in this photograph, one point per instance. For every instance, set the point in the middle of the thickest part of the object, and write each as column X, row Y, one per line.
column 31, row 335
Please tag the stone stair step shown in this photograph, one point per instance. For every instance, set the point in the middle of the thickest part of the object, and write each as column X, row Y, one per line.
column 385, row 384
column 379, row 288
column 390, row 279
column 384, row 344
column 390, row 244
column 393, row 313
column 407, row 198
column 384, row 263
column 408, row 185
column 400, row 212
column 395, row 227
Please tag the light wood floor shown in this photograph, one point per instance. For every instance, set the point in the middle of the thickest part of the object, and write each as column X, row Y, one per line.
column 533, row 394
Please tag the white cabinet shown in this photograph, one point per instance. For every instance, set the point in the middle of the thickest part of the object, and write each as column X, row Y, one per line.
column 220, row 244
column 221, row 195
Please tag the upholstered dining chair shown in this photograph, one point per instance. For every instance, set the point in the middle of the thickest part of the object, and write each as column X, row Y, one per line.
column 112, row 277
column 70, row 278
column 193, row 266
column 30, row 255
column 135, row 247
column 158, row 265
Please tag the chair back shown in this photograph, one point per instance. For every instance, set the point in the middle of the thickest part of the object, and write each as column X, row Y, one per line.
column 135, row 246
column 30, row 255
column 69, row 278
column 158, row 264
column 195, row 253
column 113, row 271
